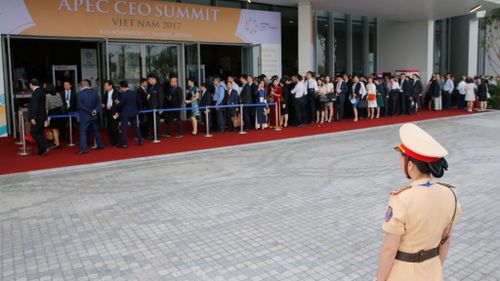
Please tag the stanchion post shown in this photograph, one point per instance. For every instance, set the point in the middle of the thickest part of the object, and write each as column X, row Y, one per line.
column 242, row 131
column 207, row 122
column 276, row 108
column 156, row 140
column 24, row 151
column 20, row 140
column 70, row 144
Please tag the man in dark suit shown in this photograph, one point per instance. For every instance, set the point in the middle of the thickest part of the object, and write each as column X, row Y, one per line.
column 254, row 88
column 129, row 108
column 176, row 100
column 246, row 98
column 205, row 100
column 88, row 108
column 418, row 89
column 341, row 92
column 37, row 114
column 68, row 95
column 110, row 107
column 142, row 95
column 404, row 94
column 155, row 100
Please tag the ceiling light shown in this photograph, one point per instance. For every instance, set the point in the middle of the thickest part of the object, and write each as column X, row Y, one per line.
column 475, row 8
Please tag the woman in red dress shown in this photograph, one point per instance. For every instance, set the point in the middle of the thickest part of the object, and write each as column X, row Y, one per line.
column 275, row 96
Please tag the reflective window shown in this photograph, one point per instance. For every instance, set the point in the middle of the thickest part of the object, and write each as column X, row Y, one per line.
column 289, row 39
column 322, row 47
column 230, row 4
column 372, row 45
column 357, row 45
column 198, row 2
column 340, row 42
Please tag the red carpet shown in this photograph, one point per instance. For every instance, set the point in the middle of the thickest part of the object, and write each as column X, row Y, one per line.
column 13, row 163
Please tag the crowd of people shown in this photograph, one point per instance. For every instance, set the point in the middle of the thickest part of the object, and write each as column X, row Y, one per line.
column 296, row 101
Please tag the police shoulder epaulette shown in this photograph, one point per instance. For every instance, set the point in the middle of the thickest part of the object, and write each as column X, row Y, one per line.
column 399, row 190
column 446, row 184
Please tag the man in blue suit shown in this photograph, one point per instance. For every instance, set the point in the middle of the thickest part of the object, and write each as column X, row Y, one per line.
column 129, row 108
column 88, row 108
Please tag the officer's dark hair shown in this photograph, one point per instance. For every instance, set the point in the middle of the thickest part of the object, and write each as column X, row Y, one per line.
column 123, row 84
column 35, row 82
column 152, row 75
column 143, row 80
column 204, row 85
column 436, row 169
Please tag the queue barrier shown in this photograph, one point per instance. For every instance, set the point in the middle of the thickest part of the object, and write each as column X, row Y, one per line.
column 206, row 109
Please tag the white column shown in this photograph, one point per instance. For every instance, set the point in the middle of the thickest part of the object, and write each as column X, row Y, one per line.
column 473, row 46
column 430, row 52
column 306, row 50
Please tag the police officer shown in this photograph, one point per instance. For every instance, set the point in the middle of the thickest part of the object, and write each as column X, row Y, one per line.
column 419, row 219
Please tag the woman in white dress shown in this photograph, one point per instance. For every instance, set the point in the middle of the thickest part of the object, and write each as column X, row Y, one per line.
column 371, row 89
column 470, row 94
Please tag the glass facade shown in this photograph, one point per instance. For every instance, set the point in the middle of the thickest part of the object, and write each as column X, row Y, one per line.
column 289, row 39
column 340, row 42
column 360, row 32
column 322, row 39
column 441, row 46
column 372, row 45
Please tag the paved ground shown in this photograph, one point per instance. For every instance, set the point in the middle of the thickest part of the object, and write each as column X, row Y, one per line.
column 303, row 209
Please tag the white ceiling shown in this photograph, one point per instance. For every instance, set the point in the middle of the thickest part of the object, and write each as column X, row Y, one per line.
column 398, row 10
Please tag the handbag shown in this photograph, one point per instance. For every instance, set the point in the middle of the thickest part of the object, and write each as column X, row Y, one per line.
column 363, row 104
column 236, row 120
column 488, row 95
column 331, row 97
column 323, row 98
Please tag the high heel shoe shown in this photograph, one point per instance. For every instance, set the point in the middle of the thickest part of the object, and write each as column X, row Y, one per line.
column 56, row 146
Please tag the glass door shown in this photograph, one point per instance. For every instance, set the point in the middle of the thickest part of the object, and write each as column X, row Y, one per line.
column 132, row 61
column 251, row 60
column 125, row 63
column 193, row 71
column 161, row 60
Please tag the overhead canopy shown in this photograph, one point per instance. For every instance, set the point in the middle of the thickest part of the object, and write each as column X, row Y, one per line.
column 397, row 10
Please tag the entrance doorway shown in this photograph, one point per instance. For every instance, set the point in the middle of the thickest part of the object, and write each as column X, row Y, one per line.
column 132, row 61
column 221, row 60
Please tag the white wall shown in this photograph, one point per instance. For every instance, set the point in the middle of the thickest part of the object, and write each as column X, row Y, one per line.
column 402, row 45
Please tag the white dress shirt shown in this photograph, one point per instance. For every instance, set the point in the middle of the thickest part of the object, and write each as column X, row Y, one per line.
column 109, row 103
column 299, row 90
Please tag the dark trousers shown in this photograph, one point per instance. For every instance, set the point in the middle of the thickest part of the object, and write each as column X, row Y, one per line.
column 230, row 113
column 85, row 126
column 171, row 116
column 339, row 108
column 111, row 127
column 247, row 116
column 403, row 103
column 394, row 102
column 124, row 126
column 446, row 100
column 461, row 101
column 151, row 123
column 386, row 105
column 37, row 133
column 310, row 108
column 220, row 120
column 299, row 107
column 143, row 125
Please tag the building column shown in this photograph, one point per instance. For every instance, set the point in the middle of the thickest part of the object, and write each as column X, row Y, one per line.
column 430, row 52
column 306, row 43
column 473, row 46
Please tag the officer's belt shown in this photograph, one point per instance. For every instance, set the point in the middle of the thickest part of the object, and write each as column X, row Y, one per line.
column 421, row 256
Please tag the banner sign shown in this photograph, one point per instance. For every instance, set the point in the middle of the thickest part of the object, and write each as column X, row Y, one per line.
column 139, row 19
column 88, row 60
column 3, row 112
